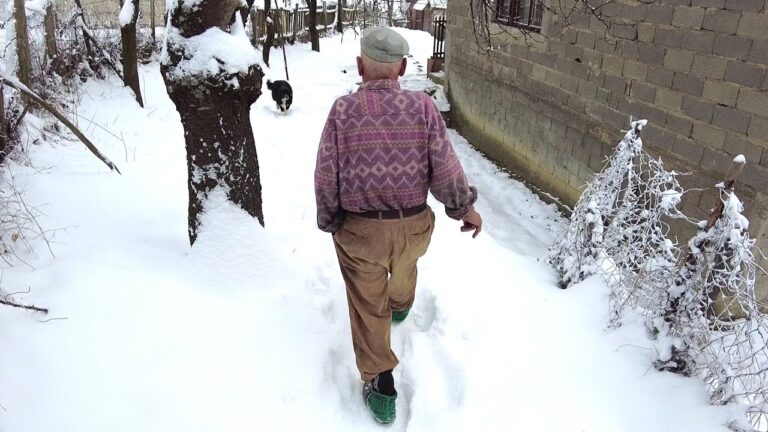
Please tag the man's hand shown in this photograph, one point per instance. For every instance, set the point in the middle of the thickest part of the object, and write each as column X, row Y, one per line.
column 472, row 221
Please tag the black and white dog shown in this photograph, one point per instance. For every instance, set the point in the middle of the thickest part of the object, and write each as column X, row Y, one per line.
column 282, row 94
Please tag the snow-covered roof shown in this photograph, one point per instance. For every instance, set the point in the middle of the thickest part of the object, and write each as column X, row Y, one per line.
column 421, row 5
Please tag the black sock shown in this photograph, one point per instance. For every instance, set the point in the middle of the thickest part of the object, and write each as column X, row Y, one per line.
column 384, row 383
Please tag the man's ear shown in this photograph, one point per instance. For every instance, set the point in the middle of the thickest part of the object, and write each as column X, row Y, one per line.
column 360, row 65
column 403, row 65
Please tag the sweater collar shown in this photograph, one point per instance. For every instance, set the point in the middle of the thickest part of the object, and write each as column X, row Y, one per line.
column 384, row 84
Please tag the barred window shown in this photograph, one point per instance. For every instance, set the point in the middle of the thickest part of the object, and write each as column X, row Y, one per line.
column 526, row 14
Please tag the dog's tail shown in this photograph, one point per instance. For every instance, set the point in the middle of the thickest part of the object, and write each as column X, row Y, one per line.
column 269, row 84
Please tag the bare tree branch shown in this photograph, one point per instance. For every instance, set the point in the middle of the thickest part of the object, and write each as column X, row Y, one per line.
column 21, row 306
column 62, row 118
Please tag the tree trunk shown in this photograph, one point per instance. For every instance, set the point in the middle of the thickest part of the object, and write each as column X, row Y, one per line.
column 152, row 21
column 255, row 27
column 129, row 58
column 3, row 124
column 339, row 15
column 51, row 50
column 215, row 115
column 22, row 43
column 86, row 40
column 314, row 35
column 269, row 40
column 390, row 12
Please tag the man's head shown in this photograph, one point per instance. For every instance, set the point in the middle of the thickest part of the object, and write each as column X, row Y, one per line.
column 382, row 54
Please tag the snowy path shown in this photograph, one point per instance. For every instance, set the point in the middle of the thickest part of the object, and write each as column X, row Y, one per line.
column 248, row 330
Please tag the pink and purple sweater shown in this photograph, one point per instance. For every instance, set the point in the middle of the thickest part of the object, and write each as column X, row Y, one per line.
column 385, row 148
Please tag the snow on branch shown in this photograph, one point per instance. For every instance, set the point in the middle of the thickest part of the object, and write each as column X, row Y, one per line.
column 126, row 13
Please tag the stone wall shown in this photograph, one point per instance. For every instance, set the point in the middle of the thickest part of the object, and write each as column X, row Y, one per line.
column 552, row 109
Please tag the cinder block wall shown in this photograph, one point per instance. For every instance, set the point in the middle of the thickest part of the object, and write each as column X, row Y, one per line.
column 553, row 109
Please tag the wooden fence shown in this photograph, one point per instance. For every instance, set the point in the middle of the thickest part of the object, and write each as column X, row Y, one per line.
column 292, row 23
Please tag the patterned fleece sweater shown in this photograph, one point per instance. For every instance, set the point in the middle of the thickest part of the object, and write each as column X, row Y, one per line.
column 385, row 148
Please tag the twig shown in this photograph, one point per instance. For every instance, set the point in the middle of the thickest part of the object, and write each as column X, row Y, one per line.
column 53, row 319
column 21, row 306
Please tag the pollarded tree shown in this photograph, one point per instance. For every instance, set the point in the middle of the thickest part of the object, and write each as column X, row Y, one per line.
column 212, row 75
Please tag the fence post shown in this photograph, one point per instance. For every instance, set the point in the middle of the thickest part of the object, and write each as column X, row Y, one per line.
column 325, row 16
column 339, row 12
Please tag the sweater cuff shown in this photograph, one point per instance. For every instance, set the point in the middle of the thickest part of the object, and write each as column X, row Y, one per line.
column 459, row 213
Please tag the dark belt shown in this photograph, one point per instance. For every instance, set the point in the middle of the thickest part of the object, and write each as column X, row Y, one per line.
column 392, row 214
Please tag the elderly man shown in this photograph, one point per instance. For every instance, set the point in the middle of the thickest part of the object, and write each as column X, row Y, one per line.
column 382, row 150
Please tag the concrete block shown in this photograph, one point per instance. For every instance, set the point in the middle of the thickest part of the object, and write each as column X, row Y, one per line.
column 669, row 99
column 732, row 46
column 731, row 118
column 745, row 5
column 753, row 25
column 659, row 14
column 651, row 54
column 669, row 37
column 698, row 109
column 678, row 60
column 643, row 92
column 753, row 101
column 745, row 74
column 688, row 17
column 735, row 144
column 688, row 83
column 699, row 41
column 758, row 128
column 721, row 21
column 660, row 76
column 689, row 149
column 759, row 52
column 710, row 136
column 721, row 92
column 635, row 70
column 708, row 66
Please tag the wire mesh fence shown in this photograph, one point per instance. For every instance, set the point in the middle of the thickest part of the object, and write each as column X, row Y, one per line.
column 698, row 301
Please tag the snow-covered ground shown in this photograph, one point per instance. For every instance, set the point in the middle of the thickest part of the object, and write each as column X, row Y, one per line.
column 248, row 330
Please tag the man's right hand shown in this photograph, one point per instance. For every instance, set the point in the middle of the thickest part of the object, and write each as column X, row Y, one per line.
column 472, row 222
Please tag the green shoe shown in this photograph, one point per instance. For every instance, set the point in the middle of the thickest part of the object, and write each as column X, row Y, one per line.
column 399, row 316
column 381, row 406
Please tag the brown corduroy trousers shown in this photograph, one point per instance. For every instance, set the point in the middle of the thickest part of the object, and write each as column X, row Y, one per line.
column 378, row 262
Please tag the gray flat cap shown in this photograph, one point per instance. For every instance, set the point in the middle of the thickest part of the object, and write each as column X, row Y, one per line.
column 383, row 45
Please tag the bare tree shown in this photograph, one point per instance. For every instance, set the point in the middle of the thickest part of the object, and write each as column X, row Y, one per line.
column 390, row 12
column 83, row 27
column 339, row 16
column 129, row 14
column 314, row 35
column 269, row 40
column 152, row 21
column 22, row 43
column 51, row 50
column 3, row 122
column 221, row 151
